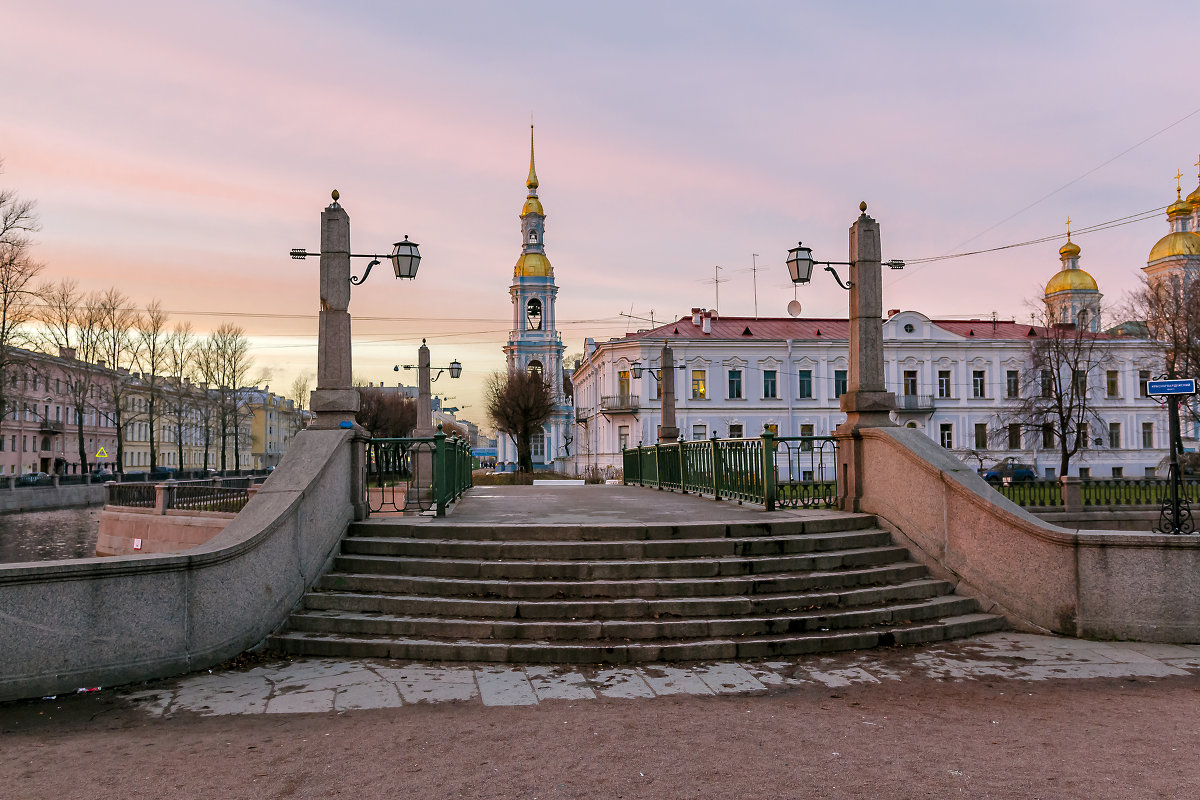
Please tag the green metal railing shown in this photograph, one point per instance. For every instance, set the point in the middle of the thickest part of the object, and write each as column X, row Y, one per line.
column 417, row 473
column 801, row 471
column 1098, row 492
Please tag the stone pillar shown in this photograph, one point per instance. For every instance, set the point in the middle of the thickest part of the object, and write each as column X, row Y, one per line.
column 425, row 466
column 866, row 403
column 670, row 432
column 1072, row 493
column 335, row 399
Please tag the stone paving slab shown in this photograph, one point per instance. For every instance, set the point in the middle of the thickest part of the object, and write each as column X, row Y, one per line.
column 324, row 686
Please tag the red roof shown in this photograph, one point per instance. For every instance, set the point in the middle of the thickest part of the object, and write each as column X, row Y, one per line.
column 781, row 328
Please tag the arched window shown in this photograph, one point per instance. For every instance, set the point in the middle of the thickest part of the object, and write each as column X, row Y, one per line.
column 533, row 237
column 533, row 314
column 535, row 367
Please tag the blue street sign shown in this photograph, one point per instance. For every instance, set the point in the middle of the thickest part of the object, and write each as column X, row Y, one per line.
column 1163, row 388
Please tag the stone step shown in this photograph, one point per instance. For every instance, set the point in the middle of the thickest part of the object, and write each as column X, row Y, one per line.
column 625, row 549
column 758, row 584
column 348, row 623
column 621, row 652
column 616, row 570
column 624, row 608
column 424, row 529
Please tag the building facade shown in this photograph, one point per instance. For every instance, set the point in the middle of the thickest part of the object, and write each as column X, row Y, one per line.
column 960, row 382
column 534, row 343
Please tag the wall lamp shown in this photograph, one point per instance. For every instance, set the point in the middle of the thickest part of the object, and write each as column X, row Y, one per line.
column 637, row 369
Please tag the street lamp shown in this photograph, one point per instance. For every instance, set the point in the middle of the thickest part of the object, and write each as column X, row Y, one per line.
column 455, row 369
column 405, row 256
column 800, row 263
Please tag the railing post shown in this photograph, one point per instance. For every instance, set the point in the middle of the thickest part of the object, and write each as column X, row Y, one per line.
column 1072, row 493
column 768, row 469
column 439, row 471
column 717, row 467
column 164, row 496
column 658, row 466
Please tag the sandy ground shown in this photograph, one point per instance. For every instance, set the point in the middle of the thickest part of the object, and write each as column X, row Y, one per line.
column 916, row 738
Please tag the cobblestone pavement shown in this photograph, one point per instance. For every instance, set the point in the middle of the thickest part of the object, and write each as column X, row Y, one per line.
column 316, row 685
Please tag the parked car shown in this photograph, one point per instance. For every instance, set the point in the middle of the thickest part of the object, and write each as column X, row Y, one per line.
column 31, row 478
column 1009, row 471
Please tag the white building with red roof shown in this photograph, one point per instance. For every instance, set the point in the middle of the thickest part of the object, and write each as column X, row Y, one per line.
column 956, row 380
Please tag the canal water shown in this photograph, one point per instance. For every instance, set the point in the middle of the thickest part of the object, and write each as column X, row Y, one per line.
column 49, row 535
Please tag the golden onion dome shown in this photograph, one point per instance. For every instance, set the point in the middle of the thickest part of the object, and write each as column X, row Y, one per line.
column 1178, row 243
column 1071, row 280
column 1179, row 208
column 532, row 206
column 1193, row 199
column 1069, row 250
column 533, row 265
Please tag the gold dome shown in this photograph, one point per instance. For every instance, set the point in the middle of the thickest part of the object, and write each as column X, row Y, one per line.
column 1179, row 243
column 1193, row 199
column 1069, row 250
column 532, row 206
column 533, row 265
column 1179, row 208
column 1071, row 280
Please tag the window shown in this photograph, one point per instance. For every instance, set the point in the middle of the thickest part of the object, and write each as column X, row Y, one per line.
column 658, row 384
column 910, row 382
column 699, row 431
column 623, row 437
column 1147, row 435
column 1080, row 382
column 1143, row 379
column 839, row 382
column 1049, row 473
column 944, row 385
column 1081, row 436
column 698, row 392
column 805, row 384
column 735, row 431
column 1110, row 383
column 981, row 436
column 1118, row 472
column 1151, row 472
column 735, row 384
column 623, row 383
column 771, row 428
column 769, row 384
column 535, row 367
column 1012, row 383
column 1114, row 435
column 1047, row 383
column 946, row 435
column 1085, row 472
column 1014, row 437
column 1047, row 435
column 978, row 383
column 537, row 446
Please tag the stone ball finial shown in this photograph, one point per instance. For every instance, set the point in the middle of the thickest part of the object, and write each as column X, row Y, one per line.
column 335, row 195
column 863, row 206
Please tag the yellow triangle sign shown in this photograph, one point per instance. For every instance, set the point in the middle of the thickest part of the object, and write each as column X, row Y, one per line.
column 101, row 454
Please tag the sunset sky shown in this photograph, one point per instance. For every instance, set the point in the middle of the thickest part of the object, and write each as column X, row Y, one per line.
column 179, row 150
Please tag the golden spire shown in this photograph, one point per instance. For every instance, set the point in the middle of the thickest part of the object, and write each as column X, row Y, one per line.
column 1070, row 249
column 532, row 182
column 1068, row 229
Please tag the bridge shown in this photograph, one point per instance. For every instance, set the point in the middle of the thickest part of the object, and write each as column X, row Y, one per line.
column 917, row 548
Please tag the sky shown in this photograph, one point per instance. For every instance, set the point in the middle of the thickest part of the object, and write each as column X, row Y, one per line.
column 178, row 151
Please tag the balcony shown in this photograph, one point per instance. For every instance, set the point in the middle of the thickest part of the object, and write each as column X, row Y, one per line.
column 51, row 428
column 620, row 404
column 582, row 414
column 914, row 402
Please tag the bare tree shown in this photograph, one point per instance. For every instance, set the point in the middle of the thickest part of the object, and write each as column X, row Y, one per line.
column 70, row 326
column 1169, row 306
column 180, row 394
column 151, row 356
column 117, row 347
column 229, row 351
column 386, row 413
column 301, row 389
column 1055, row 402
column 518, row 403
column 18, row 219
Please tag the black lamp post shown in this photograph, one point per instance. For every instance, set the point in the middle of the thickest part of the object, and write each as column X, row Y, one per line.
column 800, row 266
column 405, row 258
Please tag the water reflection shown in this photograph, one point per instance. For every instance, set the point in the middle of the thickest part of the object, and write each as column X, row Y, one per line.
column 48, row 535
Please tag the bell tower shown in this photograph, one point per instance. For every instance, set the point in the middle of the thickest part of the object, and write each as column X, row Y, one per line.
column 534, row 343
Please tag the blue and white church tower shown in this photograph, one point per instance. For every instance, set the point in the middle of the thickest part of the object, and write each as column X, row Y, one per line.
column 534, row 343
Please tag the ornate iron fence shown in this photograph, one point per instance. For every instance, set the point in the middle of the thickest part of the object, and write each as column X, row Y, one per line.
column 801, row 471
column 133, row 495
column 1039, row 494
column 417, row 474
column 198, row 497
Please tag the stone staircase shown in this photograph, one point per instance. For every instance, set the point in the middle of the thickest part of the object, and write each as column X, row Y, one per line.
column 413, row 589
